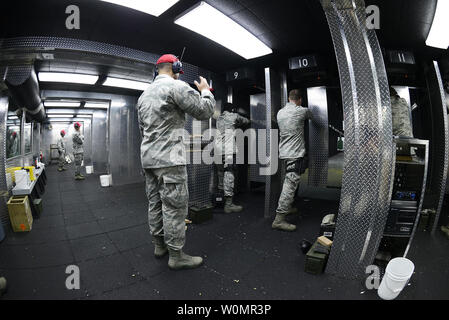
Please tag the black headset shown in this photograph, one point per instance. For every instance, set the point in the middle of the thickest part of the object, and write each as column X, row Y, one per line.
column 177, row 67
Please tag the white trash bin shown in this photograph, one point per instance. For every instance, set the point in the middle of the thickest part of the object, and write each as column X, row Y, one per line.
column 104, row 181
column 89, row 169
column 398, row 273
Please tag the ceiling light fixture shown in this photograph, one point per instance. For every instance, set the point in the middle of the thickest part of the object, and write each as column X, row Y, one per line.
column 82, row 116
column 128, row 84
column 62, row 104
column 153, row 7
column 67, row 77
column 211, row 23
column 95, row 105
column 60, row 115
column 438, row 36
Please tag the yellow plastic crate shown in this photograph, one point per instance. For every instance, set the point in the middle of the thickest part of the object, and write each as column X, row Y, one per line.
column 13, row 169
column 20, row 214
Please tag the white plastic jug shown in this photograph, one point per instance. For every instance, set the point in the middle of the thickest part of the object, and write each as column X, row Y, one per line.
column 89, row 169
column 104, row 181
column 22, row 179
column 398, row 273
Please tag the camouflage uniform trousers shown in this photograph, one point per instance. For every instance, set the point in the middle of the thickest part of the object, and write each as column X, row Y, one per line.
column 291, row 183
column 226, row 176
column 61, row 161
column 168, row 197
column 78, row 161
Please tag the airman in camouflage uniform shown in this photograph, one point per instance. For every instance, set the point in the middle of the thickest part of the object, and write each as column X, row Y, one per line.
column 291, row 121
column 161, row 111
column 61, row 151
column 402, row 123
column 78, row 151
column 226, row 147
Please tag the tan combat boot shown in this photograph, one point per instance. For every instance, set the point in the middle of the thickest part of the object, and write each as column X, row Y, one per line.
column 281, row 224
column 230, row 206
column 179, row 260
column 160, row 248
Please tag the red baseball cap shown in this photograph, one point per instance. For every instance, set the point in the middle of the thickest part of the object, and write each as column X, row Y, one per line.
column 168, row 58
column 77, row 124
column 62, row 132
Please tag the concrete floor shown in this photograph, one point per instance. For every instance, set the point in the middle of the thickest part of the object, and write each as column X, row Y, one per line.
column 104, row 232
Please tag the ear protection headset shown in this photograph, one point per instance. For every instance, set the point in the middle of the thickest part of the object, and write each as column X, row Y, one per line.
column 177, row 67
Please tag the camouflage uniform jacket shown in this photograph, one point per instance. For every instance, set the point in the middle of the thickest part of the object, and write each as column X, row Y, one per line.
column 61, row 145
column 162, row 109
column 227, row 122
column 78, row 141
column 291, row 121
column 402, row 125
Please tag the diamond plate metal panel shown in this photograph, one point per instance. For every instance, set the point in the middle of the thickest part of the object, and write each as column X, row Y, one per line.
column 318, row 137
column 258, row 119
column 369, row 148
column 444, row 157
column 4, row 217
column 268, row 198
column 273, row 184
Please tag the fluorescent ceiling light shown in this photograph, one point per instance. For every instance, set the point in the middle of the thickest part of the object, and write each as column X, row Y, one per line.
column 211, row 23
column 59, row 111
column 128, row 84
column 94, row 105
column 13, row 117
column 82, row 116
column 62, row 104
column 153, row 7
column 438, row 36
column 67, row 77
column 60, row 115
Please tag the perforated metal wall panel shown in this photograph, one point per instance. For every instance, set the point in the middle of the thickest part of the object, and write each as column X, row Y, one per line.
column 200, row 176
column 369, row 148
column 191, row 72
column 49, row 43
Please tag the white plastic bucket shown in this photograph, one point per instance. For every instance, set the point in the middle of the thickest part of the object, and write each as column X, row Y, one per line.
column 398, row 273
column 89, row 169
column 104, row 181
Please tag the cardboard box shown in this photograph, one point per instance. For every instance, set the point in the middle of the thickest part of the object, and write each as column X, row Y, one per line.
column 20, row 214
column 324, row 241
